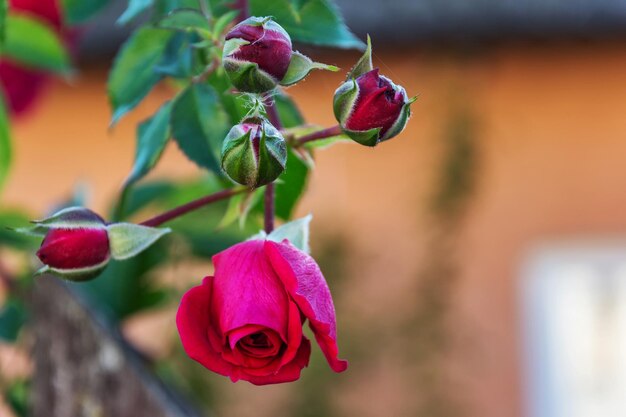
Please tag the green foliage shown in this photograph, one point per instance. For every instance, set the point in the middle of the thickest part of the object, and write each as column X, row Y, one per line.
column 6, row 151
column 126, row 287
column 12, row 318
column 199, row 124
column 34, row 44
column 133, row 74
column 317, row 22
column 4, row 7
column 291, row 186
column 152, row 136
column 78, row 11
column 17, row 397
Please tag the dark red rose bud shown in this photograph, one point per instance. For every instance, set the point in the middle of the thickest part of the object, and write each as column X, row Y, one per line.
column 74, row 248
column 369, row 107
column 379, row 104
column 268, row 46
column 258, row 57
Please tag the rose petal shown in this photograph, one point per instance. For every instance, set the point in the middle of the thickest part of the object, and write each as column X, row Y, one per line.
column 308, row 288
column 287, row 373
column 246, row 290
column 194, row 324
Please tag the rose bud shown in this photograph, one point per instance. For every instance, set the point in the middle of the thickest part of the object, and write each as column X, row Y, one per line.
column 246, row 321
column 258, row 56
column 78, row 244
column 77, row 250
column 369, row 107
column 254, row 153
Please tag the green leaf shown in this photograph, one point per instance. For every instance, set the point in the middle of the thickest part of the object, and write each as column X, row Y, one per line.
column 152, row 136
column 290, row 115
column 300, row 66
column 12, row 318
column 185, row 20
column 6, row 150
column 127, row 287
column 223, row 21
column 316, row 22
column 4, row 7
column 364, row 63
column 17, row 396
column 78, row 11
column 133, row 74
column 199, row 125
column 134, row 9
column 291, row 186
column 297, row 232
column 34, row 44
column 128, row 240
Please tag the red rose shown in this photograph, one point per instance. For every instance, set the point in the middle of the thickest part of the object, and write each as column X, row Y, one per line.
column 246, row 321
column 22, row 85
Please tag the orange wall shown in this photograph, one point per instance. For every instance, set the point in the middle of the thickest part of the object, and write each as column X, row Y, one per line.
column 552, row 159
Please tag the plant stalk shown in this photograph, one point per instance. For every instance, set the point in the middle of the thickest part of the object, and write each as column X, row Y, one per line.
column 192, row 205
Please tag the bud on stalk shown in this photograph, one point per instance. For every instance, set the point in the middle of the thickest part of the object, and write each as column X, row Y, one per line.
column 78, row 244
column 369, row 107
column 258, row 56
column 254, row 153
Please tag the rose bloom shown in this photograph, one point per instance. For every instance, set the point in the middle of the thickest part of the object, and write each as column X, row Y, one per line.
column 21, row 85
column 246, row 321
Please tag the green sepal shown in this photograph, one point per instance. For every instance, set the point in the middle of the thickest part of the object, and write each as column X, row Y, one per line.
column 72, row 218
column 75, row 275
column 128, row 240
column 364, row 64
column 367, row 137
column 344, row 99
column 300, row 66
column 296, row 232
column 247, row 76
column 400, row 124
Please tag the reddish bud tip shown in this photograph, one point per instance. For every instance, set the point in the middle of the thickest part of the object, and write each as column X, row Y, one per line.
column 269, row 49
column 68, row 249
column 378, row 105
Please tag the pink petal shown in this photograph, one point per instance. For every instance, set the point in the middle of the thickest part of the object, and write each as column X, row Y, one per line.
column 246, row 290
column 194, row 324
column 287, row 373
column 308, row 288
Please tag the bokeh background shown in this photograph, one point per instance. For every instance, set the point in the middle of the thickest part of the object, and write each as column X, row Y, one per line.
column 477, row 261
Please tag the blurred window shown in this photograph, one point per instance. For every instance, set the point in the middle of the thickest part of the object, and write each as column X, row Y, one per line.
column 574, row 316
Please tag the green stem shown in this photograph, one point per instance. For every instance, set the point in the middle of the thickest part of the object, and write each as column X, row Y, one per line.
column 270, row 194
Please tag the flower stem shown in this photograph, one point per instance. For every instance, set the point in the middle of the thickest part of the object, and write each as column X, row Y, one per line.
column 270, row 195
column 320, row 134
column 269, row 207
column 192, row 205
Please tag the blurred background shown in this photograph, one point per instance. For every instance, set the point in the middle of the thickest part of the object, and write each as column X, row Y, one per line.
column 477, row 261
